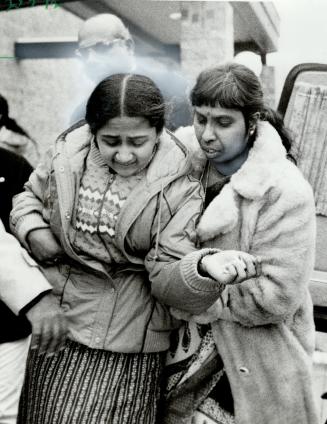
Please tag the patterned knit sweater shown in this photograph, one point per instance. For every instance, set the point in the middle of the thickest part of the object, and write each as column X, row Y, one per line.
column 100, row 199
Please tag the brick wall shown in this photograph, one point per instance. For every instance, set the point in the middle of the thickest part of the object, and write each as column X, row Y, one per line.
column 207, row 35
column 267, row 78
column 39, row 90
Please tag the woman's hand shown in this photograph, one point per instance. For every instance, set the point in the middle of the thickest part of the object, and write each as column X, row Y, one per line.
column 231, row 266
column 200, row 418
column 49, row 325
column 44, row 246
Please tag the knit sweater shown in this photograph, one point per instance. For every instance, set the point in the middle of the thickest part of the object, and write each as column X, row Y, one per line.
column 102, row 194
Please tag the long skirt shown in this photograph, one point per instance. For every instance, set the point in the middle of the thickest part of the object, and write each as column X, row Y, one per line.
column 79, row 385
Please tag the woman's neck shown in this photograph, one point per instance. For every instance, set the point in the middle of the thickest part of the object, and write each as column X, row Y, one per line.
column 233, row 165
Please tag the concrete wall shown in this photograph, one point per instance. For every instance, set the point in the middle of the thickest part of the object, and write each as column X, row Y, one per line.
column 267, row 78
column 207, row 35
column 39, row 90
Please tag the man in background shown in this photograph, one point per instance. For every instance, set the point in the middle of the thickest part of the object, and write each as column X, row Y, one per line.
column 106, row 47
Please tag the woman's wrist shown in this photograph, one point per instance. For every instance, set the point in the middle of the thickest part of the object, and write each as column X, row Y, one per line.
column 202, row 269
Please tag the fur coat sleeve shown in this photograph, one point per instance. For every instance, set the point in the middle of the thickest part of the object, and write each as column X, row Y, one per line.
column 280, row 229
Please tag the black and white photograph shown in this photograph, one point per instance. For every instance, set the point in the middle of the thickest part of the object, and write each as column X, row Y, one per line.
column 163, row 212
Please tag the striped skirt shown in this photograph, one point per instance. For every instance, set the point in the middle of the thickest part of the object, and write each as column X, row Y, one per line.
column 80, row 385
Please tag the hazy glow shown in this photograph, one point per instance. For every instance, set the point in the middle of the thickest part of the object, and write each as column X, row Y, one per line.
column 251, row 60
column 303, row 35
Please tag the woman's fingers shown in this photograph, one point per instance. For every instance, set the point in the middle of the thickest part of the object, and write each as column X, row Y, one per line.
column 230, row 267
column 200, row 418
column 46, row 335
column 250, row 266
column 231, row 270
column 35, row 341
column 241, row 270
column 49, row 325
column 55, row 340
column 53, row 337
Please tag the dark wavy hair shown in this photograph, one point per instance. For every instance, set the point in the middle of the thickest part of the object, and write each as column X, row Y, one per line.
column 9, row 123
column 125, row 95
column 234, row 86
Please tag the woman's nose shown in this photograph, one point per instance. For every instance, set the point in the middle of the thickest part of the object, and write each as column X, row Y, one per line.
column 208, row 134
column 124, row 155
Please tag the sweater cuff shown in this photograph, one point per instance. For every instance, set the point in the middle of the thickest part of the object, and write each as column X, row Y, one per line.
column 190, row 272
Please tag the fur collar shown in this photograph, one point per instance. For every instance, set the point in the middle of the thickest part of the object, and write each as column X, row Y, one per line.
column 252, row 181
column 258, row 174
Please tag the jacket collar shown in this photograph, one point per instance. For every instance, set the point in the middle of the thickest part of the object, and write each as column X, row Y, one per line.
column 170, row 161
column 171, row 158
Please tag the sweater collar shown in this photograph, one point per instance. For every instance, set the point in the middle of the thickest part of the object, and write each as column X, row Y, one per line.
column 95, row 155
column 170, row 160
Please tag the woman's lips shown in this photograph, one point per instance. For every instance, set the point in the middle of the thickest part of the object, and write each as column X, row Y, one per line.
column 125, row 165
column 211, row 153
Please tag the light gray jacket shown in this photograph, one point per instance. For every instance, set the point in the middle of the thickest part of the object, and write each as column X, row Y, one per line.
column 124, row 309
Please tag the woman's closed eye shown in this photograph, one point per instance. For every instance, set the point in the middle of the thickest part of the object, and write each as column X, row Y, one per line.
column 110, row 140
column 202, row 120
column 138, row 141
column 223, row 122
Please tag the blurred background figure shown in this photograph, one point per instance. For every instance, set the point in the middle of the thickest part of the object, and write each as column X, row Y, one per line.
column 106, row 47
column 14, row 340
column 15, row 138
column 25, row 290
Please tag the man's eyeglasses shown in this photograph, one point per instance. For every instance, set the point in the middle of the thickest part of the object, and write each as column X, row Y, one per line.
column 103, row 49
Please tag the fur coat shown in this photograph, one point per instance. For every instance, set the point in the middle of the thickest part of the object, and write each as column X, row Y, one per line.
column 264, row 332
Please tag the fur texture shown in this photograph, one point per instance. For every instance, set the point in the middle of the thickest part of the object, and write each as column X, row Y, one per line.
column 252, row 181
column 266, row 327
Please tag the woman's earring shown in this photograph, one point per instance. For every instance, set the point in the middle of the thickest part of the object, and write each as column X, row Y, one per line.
column 251, row 131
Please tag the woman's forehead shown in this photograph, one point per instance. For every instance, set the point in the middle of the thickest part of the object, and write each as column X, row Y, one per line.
column 216, row 111
column 127, row 122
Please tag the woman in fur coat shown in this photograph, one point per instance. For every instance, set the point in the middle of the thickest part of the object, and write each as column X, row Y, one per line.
column 248, row 361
